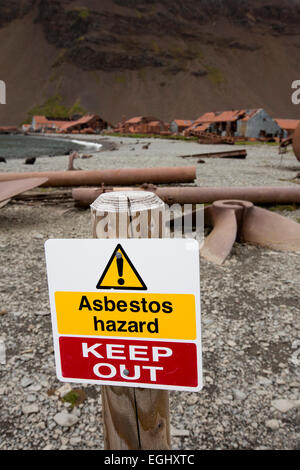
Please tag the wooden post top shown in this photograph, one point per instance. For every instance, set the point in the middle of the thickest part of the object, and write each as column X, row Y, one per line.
column 121, row 201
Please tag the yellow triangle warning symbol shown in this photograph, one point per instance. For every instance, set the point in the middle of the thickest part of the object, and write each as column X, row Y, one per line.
column 120, row 273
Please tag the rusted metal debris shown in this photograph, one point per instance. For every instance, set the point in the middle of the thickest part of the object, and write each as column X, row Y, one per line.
column 284, row 144
column 240, row 154
column 255, row 194
column 143, row 125
column 122, row 176
column 200, row 195
column 72, row 157
column 232, row 220
column 56, row 196
column 9, row 189
column 236, row 220
column 212, row 138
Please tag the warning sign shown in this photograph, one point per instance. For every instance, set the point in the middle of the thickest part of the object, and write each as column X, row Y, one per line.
column 120, row 273
column 126, row 312
column 142, row 362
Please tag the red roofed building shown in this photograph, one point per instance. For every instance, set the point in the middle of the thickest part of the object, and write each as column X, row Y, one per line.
column 252, row 123
column 288, row 126
column 9, row 130
column 142, row 125
column 179, row 125
column 39, row 123
column 90, row 122
column 44, row 124
column 86, row 124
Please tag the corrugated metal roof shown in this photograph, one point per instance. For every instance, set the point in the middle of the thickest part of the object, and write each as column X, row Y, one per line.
column 202, row 127
column 154, row 123
column 289, row 124
column 83, row 120
column 182, row 122
column 250, row 113
column 134, row 120
column 227, row 116
column 206, row 117
column 142, row 119
column 42, row 121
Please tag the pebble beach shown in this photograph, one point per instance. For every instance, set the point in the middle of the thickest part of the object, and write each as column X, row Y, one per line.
column 250, row 308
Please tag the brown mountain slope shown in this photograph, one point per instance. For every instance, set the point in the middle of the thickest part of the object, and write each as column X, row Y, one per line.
column 172, row 59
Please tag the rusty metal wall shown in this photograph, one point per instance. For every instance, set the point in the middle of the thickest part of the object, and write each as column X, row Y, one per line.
column 261, row 121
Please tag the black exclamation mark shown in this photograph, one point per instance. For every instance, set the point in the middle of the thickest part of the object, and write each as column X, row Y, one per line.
column 120, row 268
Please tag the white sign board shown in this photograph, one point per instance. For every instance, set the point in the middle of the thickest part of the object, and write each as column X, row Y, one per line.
column 126, row 311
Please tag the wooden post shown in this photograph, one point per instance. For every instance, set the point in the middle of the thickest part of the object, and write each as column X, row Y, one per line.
column 133, row 418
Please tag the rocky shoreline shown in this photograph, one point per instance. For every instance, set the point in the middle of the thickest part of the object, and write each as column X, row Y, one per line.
column 250, row 321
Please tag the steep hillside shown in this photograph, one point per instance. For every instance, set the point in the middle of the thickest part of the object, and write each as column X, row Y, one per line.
column 172, row 59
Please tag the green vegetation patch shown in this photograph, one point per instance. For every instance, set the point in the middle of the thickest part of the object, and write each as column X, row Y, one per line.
column 54, row 107
column 283, row 207
column 82, row 12
column 152, row 136
column 121, row 79
column 215, row 75
column 75, row 397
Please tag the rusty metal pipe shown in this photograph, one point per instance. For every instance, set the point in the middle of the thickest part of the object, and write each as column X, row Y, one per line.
column 234, row 220
column 255, row 194
column 122, row 176
column 201, row 195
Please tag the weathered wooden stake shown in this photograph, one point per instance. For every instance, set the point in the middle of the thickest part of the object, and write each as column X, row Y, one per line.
column 133, row 418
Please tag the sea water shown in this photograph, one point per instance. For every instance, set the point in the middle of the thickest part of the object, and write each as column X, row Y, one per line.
column 21, row 146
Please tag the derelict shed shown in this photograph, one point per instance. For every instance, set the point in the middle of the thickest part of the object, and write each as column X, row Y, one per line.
column 143, row 125
column 219, row 122
column 88, row 122
column 225, row 123
column 257, row 123
column 287, row 126
column 179, row 125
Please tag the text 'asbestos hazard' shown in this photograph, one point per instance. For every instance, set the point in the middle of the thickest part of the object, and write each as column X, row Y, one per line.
column 168, row 316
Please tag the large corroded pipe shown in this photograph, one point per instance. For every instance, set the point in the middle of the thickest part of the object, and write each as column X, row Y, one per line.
column 122, row 176
column 255, row 194
column 296, row 142
column 234, row 220
column 201, row 195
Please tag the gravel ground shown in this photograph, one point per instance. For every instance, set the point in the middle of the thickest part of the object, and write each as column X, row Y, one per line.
column 263, row 165
column 250, row 321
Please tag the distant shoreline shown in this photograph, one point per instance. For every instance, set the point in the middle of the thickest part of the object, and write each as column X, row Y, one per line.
column 51, row 145
column 103, row 141
column 71, row 138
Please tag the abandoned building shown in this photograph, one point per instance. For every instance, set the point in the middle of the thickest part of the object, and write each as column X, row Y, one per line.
column 45, row 124
column 177, row 126
column 9, row 130
column 257, row 123
column 252, row 123
column 90, row 123
column 142, row 125
column 288, row 126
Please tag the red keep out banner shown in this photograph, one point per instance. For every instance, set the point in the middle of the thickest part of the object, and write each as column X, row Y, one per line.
column 129, row 361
